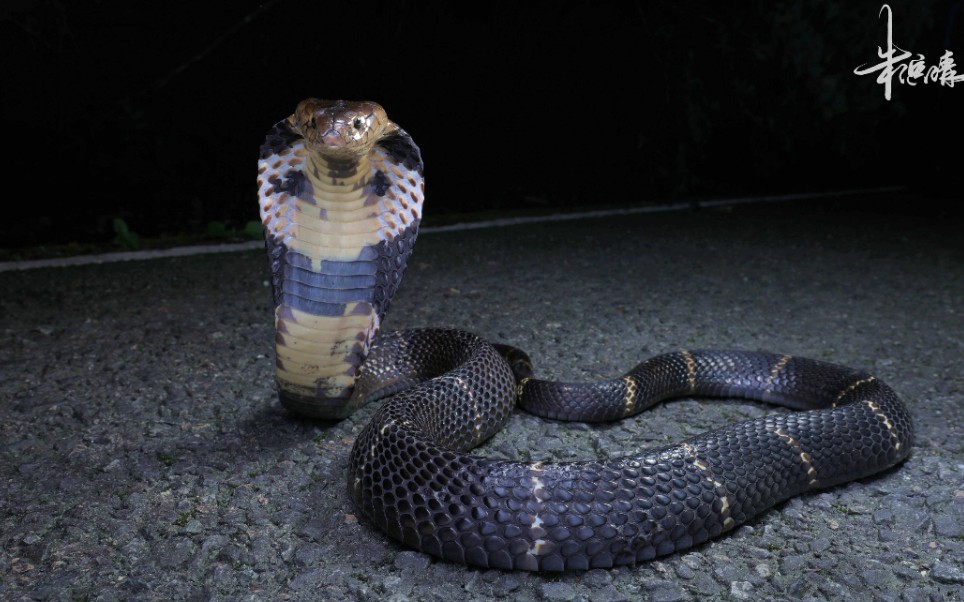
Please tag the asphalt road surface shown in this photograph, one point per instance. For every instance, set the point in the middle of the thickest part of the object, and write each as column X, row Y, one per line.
column 144, row 454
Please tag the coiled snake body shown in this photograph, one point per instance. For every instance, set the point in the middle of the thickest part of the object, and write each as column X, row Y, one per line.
column 341, row 191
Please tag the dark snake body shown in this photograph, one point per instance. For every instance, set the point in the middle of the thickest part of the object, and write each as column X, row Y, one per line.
column 446, row 391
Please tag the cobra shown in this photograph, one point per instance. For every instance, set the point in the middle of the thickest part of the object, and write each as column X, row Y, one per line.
column 341, row 192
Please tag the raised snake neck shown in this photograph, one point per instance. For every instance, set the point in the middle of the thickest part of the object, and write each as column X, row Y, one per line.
column 341, row 191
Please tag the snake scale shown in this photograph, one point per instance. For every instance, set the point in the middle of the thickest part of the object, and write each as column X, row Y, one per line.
column 341, row 193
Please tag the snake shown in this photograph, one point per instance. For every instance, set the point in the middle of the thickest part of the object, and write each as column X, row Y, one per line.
column 341, row 190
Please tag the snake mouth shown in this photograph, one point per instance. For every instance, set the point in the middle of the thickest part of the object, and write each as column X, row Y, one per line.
column 340, row 129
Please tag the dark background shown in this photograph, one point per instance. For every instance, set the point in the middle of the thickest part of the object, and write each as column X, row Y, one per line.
column 153, row 112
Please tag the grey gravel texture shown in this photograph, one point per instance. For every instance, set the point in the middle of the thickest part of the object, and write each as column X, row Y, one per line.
column 145, row 456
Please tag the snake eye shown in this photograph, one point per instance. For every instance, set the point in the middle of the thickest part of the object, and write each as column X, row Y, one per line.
column 357, row 124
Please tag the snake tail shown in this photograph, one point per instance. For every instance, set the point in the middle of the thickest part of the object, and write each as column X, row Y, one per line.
column 411, row 473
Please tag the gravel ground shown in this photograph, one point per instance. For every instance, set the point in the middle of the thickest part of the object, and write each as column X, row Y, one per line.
column 144, row 455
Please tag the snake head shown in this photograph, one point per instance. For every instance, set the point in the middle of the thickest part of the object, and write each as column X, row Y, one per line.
column 341, row 129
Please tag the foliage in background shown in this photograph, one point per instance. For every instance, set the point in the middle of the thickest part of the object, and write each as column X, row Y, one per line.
column 124, row 236
column 218, row 230
column 527, row 104
column 775, row 88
